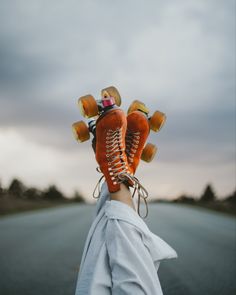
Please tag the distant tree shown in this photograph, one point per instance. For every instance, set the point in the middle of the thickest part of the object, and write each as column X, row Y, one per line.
column 184, row 199
column 77, row 197
column 232, row 198
column 32, row 194
column 52, row 193
column 1, row 190
column 208, row 194
column 16, row 188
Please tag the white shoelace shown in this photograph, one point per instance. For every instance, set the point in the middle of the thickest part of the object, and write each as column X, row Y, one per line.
column 138, row 187
column 132, row 142
column 115, row 154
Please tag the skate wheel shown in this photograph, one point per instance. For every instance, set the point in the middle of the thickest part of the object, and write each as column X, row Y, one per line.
column 157, row 120
column 112, row 91
column 137, row 105
column 149, row 152
column 88, row 106
column 81, row 131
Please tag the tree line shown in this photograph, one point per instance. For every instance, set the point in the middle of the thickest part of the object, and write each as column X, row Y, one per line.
column 17, row 189
column 208, row 196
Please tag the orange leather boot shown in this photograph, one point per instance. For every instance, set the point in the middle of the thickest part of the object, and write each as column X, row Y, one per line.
column 137, row 132
column 110, row 148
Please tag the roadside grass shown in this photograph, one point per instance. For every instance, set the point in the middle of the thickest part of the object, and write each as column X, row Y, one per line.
column 12, row 205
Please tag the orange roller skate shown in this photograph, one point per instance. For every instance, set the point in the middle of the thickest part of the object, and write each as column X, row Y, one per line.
column 110, row 148
column 139, row 126
column 137, row 133
column 111, row 155
column 109, row 127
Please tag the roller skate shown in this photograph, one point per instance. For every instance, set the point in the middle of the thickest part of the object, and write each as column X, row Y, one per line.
column 92, row 109
column 138, row 129
column 108, row 127
column 111, row 156
column 110, row 148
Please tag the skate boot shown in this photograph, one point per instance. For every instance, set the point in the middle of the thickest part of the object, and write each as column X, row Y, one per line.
column 136, row 135
column 109, row 125
column 111, row 155
column 110, row 148
column 138, row 129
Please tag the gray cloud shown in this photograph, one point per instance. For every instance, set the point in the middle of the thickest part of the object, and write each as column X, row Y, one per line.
column 178, row 57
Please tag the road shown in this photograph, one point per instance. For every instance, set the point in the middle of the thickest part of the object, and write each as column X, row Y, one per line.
column 41, row 251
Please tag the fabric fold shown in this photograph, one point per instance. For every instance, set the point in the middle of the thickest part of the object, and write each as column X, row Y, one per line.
column 157, row 247
column 121, row 255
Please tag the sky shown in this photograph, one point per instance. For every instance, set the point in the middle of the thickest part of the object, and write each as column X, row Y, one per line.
column 175, row 56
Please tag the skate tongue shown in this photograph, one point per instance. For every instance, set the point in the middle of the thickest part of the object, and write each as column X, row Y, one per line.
column 108, row 102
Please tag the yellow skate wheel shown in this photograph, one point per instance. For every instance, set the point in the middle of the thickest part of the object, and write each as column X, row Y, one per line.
column 157, row 120
column 81, row 131
column 149, row 152
column 112, row 91
column 88, row 106
column 138, row 105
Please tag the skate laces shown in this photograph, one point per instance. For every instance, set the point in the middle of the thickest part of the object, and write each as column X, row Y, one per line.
column 115, row 159
column 132, row 141
column 141, row 191
column 138, row 187
column 97, row 189
column 115, row 154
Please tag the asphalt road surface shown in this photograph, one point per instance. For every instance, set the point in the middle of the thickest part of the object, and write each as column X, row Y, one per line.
column 40, row 252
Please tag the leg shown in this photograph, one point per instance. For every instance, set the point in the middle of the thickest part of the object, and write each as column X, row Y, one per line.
column 123, row 195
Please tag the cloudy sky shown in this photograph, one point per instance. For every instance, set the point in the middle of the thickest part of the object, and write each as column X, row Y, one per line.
column 176, row 56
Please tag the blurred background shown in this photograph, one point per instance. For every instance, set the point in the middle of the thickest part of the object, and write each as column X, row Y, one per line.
column 175, row 56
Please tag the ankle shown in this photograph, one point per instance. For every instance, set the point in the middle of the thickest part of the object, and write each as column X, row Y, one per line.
column 123, row 195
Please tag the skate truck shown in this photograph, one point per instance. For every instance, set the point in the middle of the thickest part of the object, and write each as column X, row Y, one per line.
column 91, row 109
